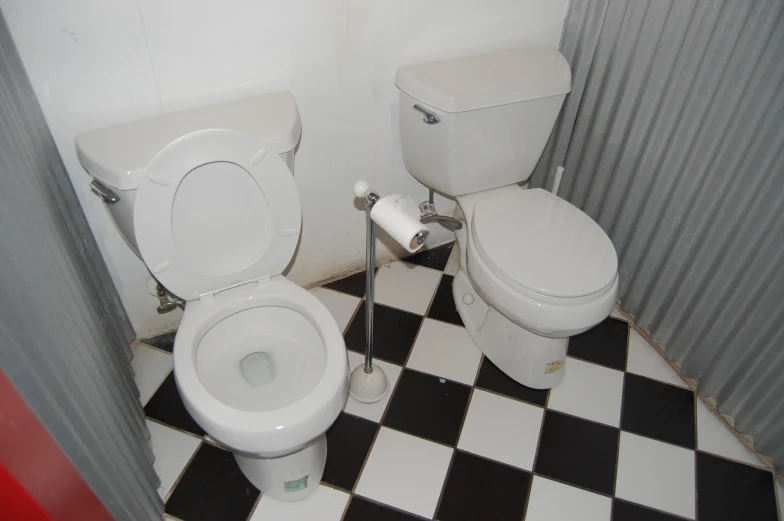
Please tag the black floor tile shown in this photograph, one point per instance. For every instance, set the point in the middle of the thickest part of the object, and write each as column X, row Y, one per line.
column 578, row 451
column 658, row 410
column 435, row 258
column 478, row 488
column 213, row 487
column 605, row 344
column 425, row 406
column 348, row 442
column 443, row 306
column 727, row 491
column 166, row 406
column 394, row 333
column 625, row 511
column 353, row 284
column 493, row 379
column 361, row 509
column 164, row 341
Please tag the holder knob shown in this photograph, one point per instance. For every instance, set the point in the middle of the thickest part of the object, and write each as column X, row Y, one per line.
column 360, row 188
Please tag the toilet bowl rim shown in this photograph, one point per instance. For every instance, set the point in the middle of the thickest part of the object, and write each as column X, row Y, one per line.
column 291, row 421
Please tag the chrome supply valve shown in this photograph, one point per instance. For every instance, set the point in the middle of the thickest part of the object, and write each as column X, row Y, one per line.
column 166, row 304
column 428, row 214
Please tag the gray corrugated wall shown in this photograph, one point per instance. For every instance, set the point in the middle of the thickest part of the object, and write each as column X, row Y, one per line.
column 63, row 331
column 673, row 141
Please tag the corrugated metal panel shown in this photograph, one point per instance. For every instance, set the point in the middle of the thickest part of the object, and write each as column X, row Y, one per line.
column 673, row 141
column 63, row 331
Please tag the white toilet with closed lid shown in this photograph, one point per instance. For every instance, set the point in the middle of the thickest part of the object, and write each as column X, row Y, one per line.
column 534, row 270
column 260, row 363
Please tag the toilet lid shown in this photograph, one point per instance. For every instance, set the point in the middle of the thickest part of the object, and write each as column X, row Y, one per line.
column 537, row 241
column 216, row 209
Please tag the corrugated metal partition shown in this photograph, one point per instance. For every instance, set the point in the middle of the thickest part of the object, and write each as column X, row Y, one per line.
column 63, row 331
column 673, row 140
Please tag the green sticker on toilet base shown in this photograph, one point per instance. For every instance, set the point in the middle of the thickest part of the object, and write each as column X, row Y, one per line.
column 296, row 485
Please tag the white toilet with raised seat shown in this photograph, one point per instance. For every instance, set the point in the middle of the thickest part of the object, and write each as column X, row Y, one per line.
column 534, row 270
column 207, row 198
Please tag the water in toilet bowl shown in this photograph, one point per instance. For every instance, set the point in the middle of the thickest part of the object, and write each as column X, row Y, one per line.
column 261, row 359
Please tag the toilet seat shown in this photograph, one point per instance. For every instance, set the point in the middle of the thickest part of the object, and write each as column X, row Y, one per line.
column 216, row 209
column 542, row 246
column 546, row 315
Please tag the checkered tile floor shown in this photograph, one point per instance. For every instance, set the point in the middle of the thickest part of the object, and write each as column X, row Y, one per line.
column 621, row 439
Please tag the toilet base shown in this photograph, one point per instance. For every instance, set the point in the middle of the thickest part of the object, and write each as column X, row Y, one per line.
column 287, row 478
column 532, row 360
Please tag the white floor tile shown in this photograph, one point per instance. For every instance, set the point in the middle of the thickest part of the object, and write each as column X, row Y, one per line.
column 656, row 474
column 405, row 472
column 501, row 429
column 151, row 367
column 447, row 351
column 616, row 313
column 453, row 263
column 372, row 411
column 341, row 305
column 553, row 501
column 173, row 449
column 646, row 361
column 324, row 504
column 406, row 286
column 714, row 437
column 590, row 391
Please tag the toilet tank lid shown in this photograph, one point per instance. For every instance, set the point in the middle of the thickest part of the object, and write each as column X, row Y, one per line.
column 487, row 80
column 118, row 155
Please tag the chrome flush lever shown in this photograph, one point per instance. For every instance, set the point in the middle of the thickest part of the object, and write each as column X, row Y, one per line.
column 104, row 192
column 430, row 118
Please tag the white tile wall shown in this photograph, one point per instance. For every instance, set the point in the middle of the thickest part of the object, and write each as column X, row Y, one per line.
column 98, row 62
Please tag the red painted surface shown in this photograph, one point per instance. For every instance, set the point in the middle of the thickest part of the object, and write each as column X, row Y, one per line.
column 33, row 465
column 16, row 503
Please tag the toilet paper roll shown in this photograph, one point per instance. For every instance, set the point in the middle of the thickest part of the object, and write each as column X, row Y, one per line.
column 399, row 217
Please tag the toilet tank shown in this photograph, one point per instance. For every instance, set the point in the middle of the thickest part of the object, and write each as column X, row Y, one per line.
column 480, row 122
column 118, row 156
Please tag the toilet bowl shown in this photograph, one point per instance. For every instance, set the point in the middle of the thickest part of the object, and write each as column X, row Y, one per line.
column 533, row 285
column 263, row 369
column 207, row 199
column 534, row 270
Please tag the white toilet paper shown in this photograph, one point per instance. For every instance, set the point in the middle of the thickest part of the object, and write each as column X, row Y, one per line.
column 399, row 216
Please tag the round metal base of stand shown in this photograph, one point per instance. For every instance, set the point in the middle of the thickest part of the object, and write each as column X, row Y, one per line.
column 368, row 387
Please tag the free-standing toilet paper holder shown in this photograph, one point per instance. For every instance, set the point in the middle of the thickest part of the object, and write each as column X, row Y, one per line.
column 368, row 383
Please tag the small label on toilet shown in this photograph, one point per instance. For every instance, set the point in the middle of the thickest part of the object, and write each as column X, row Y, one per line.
column 553, row 366
column 296, row 485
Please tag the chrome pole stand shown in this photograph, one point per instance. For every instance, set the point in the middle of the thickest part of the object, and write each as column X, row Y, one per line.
column 368, row 383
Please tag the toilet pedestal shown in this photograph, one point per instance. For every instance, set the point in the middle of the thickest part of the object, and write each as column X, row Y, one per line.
column 287, row 478
column 535, row 361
